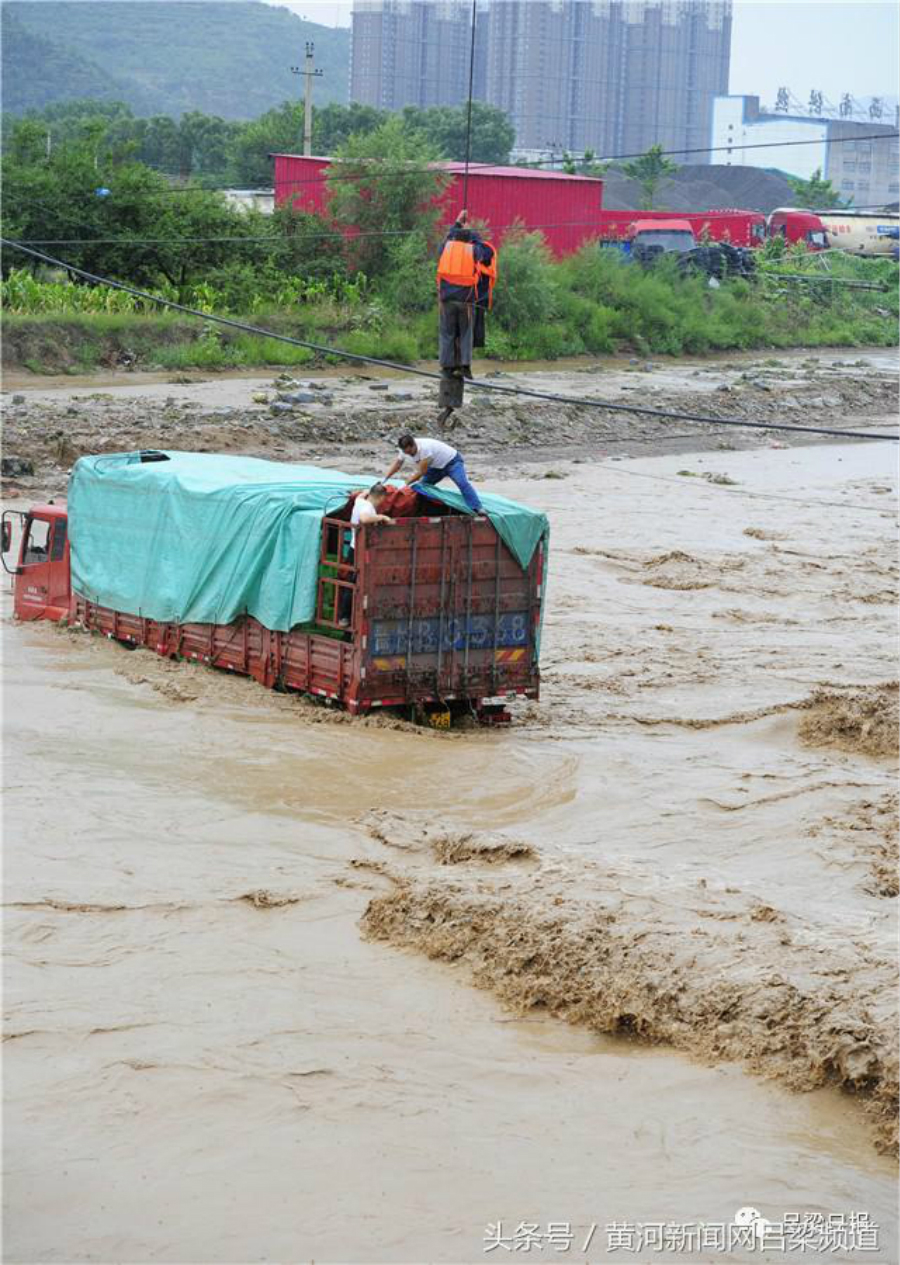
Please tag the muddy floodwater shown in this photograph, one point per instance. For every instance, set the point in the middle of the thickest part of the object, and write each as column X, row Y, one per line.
column 281, row 986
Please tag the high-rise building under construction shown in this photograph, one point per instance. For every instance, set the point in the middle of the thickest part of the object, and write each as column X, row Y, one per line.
column 415, row 52
column 615, row 76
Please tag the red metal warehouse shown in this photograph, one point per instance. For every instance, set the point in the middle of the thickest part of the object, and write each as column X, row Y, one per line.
column 565, row 208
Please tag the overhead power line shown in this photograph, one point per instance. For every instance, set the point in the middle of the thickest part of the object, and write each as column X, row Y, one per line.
column 284, row 240
column 528, row 393
column 465, row 190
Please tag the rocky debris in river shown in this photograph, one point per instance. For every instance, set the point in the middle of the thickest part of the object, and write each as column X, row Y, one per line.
column 304, row 397
column 722, row 480
column 493, row 424
column 411, row 833
column 262, row 898
column 15, row 467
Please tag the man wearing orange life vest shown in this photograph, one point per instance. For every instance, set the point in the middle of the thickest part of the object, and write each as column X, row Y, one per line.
column 465, row 263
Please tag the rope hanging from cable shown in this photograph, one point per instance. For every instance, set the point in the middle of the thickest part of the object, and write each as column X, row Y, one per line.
column 465, row 195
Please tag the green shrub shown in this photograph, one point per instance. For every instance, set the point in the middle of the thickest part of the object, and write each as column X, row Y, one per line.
column 526, row 293
column 252, row 349
column 21, row 292
column 409, row 282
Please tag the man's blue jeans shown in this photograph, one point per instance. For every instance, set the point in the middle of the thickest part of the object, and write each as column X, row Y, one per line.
column 456, row 471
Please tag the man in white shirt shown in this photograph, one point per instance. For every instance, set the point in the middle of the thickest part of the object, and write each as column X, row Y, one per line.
column 366, row 509
column 433, row 460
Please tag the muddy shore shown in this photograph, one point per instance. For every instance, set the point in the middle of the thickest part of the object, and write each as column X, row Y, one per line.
column 245, row 963
column 353, row 419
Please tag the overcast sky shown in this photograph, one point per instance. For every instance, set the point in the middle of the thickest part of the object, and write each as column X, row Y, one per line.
column 836, row 46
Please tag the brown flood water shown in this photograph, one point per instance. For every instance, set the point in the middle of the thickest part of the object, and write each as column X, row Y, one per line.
column 206, row 1061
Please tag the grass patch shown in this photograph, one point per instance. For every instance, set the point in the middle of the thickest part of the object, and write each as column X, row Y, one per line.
column 390, row 344
column 241, row 351
column 592, row 303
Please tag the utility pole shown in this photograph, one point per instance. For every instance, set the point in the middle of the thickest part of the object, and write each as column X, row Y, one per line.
column 309, row 73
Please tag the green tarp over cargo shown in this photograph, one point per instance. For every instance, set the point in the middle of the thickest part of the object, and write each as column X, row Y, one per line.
column 204, row 539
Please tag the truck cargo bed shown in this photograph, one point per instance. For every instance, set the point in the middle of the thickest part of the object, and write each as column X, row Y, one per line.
column 442, row 613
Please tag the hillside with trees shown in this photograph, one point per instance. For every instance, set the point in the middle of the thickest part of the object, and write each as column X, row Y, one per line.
column 228, row 59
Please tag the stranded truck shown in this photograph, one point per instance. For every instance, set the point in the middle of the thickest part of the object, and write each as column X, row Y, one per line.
column 241, row 564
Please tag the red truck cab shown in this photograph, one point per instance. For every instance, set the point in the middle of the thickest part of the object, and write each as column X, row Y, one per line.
column 797, row 226
column 667, row 235
column 42, row 587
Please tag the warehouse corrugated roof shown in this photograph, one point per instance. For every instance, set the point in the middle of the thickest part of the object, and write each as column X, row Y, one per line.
column 475, row 169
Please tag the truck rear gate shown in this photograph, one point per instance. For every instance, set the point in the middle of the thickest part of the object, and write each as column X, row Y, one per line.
column 442, row 611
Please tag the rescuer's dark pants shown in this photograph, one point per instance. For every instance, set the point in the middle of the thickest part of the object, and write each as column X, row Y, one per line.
column 478, row 327
column 455, row 470
column 456, row 326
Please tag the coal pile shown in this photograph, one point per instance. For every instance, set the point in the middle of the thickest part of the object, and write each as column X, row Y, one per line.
column 703, row 187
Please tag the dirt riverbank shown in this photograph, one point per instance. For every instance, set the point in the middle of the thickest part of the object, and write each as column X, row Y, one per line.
column 353, row 420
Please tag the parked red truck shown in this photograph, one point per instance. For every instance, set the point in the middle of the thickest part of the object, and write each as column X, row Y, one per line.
column 740, row 228
column 796, row 225
column 445, row 617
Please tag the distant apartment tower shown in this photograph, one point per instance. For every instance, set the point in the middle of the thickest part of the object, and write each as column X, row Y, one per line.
column 615, row 76
column 414, row 52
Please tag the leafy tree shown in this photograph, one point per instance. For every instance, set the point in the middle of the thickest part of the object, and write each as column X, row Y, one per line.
column 310, row 245
column 278, row 131
column 333, row 125
column 587, row 165
column 205, row 142
column 648, row 171
column 219, row 151
column 530, row 288
column 64, row 119
column 815, row 193
column 157, row 142
column 445, row 128
column 135, row 232
column 382, row 183
column 25, row 143
column 195, row 145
